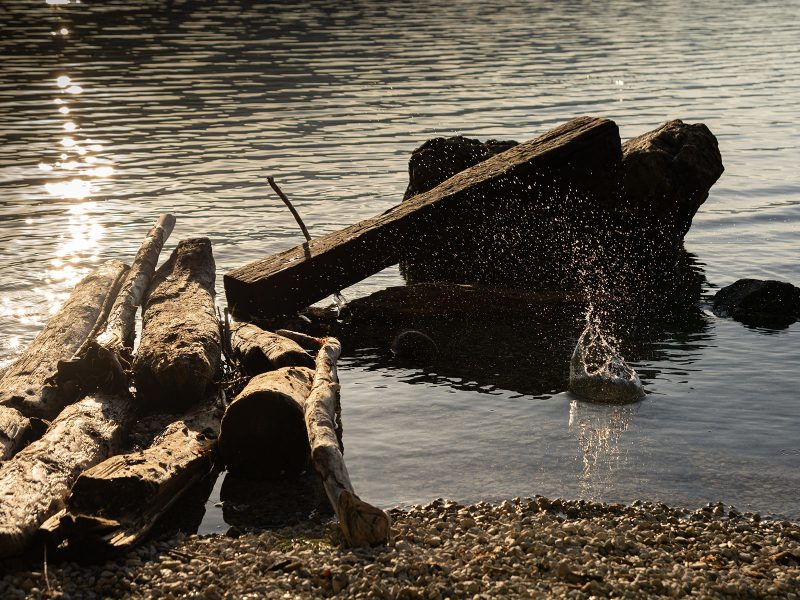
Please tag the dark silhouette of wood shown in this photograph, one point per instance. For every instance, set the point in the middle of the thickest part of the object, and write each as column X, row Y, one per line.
column 293, row 279
column 263, row 433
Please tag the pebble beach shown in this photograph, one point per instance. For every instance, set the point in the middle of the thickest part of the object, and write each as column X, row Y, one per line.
column 521, row 548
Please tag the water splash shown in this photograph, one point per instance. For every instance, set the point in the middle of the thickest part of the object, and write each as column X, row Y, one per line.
column 597, row 371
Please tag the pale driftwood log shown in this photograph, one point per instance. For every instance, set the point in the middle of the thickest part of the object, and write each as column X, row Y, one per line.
column 263, row 432
column 35, row 483
column 181, row 347
column 103, row 362
column 15, row 431
column 27, row 383
column 115, row 503
column 260, row 350
column 362, row 524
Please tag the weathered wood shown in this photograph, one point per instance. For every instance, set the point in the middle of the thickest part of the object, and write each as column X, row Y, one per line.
column 35, row 483
column 115, row 503
column 295, row 278
column 119, row 332
column 362, row 524
column 263, row 433
column 27, row 384
column 15, row 430
column 103, row 362
column 181, row 347
column 260, row 350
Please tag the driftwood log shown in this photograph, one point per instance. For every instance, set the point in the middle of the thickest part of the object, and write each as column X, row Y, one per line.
column 103, row 362
column 180, row 350
column 260, row 350
column 580, row 150
column 263, row 433
column 36, row 482
column 26, row 387
column 115, row 503
column 362, row 524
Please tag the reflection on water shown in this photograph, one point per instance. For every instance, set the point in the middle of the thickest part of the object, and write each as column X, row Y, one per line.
column 117, row 111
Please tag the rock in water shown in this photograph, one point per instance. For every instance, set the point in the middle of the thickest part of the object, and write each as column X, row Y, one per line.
column 774, row 304
column 598, row 373
column 180, row 350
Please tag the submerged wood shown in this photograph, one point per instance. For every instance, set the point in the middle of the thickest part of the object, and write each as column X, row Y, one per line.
column 181, row 346
column 362, row 524
column 263, row 433
column 115, row 503
column 103, row 362
column 260, row 350
column 27, row 384
column 293, row 279
column 35, row 483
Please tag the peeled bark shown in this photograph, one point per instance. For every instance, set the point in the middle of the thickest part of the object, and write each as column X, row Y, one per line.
column 36, row 482
column 260, row 350
column 115, row 503
column 180, row 350
column 263, row 433
column 362, row 524
column 27, row 385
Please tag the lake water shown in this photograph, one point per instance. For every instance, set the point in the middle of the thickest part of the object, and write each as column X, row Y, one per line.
column 113, row 112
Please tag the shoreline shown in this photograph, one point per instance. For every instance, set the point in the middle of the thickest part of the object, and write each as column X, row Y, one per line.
column 522, row 548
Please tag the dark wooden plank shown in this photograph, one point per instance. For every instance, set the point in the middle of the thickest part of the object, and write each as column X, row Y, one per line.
column 583, row 148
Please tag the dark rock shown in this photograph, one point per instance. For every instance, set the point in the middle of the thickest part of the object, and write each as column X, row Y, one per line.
column 565, row 233
column 772, row 304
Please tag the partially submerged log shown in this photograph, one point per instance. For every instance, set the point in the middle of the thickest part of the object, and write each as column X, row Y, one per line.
column 263, row 433
column 36, row 482
column 27, row 383
column 362, row 524
column 260, row 350
column 103, row 362
column 180, row 350
column 115, row 503
column 572, row 154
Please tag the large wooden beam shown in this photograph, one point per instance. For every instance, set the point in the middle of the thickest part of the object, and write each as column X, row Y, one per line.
column 579, row 150
column 27, row 385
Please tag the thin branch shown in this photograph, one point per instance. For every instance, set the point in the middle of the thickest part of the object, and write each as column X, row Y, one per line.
column 291, row 208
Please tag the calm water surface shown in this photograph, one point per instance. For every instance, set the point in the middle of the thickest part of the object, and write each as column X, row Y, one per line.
column 113, row 112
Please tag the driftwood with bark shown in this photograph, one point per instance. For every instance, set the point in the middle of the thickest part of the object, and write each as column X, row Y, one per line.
column 115, row 503
column 263, row 433
column 259, row 350
column 103, row 362
column 361, row 523
column 27, row 389
column 36, row 482
column 180, row 350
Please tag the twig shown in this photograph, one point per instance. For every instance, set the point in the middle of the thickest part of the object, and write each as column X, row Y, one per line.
column 291, row 208
column 46, row 576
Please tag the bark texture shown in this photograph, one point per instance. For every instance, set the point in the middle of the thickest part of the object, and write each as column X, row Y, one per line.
column 260, row 350
column 180, row 350
column 263, row 432
column 36, row 482
column 27, row 385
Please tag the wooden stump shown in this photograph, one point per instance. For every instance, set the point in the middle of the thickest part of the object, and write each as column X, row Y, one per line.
column 260, row 350
column 26, row 385
column 115, row 503
column 180, row 350
column 263, row 432
column 35, row 483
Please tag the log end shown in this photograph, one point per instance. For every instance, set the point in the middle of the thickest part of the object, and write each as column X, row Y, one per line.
column 264, row 436
column 362, row 524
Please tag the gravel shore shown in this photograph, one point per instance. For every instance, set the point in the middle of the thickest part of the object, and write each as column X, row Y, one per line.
column 518, row 549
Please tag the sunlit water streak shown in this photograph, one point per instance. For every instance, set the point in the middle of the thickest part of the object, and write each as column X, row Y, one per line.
column 114, row 112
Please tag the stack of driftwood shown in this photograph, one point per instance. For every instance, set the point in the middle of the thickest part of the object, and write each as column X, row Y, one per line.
column 70, row 402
